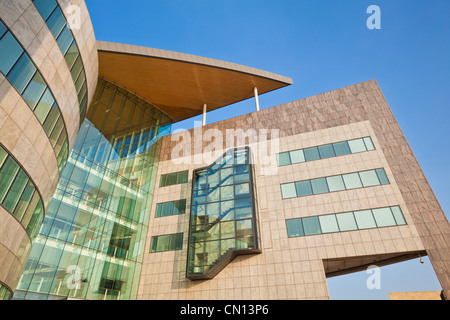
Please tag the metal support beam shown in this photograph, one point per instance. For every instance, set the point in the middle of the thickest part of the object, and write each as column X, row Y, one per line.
column 204, row 114
column 256, row 98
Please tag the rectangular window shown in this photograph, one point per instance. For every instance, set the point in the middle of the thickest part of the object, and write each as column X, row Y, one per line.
column 304, row 188
column 342, row 148
column 45, row 7
column 364, row 219
column 384, row 217
column 311, row 154
column 335, row 183
column 352, row 181
column 10, row 52
column 369, row 178
column 170, row 208
column 56, row 22
column 21, row 73
column 174, row 178
column 284, row 159
column 295, row 228
column 329, row 223
column 357, row 145
column 319, row 186
column 382, row 176
column 346, row 221
column 169, row 242
column 311, row 226
column 288, row 190
column 297, row 156
column 65, row 39
column 326, row 151
column 34, row 90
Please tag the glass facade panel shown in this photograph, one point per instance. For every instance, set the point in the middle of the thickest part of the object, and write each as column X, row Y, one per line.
column 297, row 156
column 326, row 151
column 369, row 178
column 34, row 90
column 382, row 176
column 328, row 223
column 295, row 228
column 311, row 154
column 346, row 221
column 228, row 223
column 98, row 218
column 311, row 226
column 45, row 7
column 384, row 217
column 335, row 183
column 352, row 181
column 369, row 144
column 288, row 190
column 10, row 52
column 357, row 145
column 174, row 178
column 364, row 219
column 21, row 74
column 398, row 216
column 284, row 159
column 319, row 186
column 56, row 22
column 342, row 148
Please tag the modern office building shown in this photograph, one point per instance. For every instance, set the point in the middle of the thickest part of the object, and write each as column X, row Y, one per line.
column 99, row 200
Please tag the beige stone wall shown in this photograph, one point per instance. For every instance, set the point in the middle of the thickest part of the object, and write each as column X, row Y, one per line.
column 15, row 246
column 287, row 268
column 425, row 295
column 295, row 268
column 87, row 44
column 24, row 138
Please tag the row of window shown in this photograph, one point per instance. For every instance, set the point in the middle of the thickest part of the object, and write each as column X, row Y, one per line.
column 341, row 182
column 20, row 71
column 174, row 178
column 19, row 195
column 325, row 151
column 347, row 221
column 168, row 242
column 56, row 22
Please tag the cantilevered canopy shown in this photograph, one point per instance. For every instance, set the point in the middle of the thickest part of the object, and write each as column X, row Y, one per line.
column 181, row 84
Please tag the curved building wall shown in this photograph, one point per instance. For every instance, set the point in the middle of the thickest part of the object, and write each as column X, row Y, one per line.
column 41, row 109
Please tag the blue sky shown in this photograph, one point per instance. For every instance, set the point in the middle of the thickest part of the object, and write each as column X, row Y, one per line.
column 322, row 45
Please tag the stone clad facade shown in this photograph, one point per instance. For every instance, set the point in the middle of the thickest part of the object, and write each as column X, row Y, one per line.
column 297, row 267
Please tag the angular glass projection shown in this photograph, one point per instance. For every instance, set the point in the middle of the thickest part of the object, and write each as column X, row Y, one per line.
column 223, row 221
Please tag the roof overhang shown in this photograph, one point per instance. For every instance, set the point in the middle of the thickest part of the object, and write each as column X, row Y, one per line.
column 180, row 84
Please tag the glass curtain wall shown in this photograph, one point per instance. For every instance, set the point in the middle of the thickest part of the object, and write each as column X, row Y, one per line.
column 91, row 243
